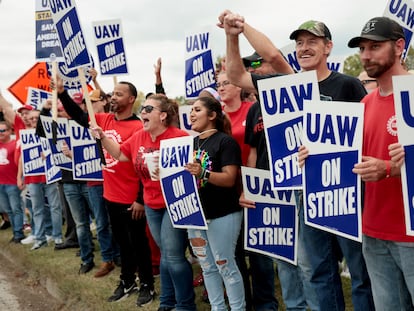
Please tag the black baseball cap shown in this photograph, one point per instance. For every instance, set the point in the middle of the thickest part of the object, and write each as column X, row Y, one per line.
column 379, row 29
column 247, row 60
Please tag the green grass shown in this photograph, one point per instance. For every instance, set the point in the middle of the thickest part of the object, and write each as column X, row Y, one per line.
column 58, row 270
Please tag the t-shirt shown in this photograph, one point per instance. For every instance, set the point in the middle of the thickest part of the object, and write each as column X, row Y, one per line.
column 8, row 167
column 255, row 136
column 214, row 152
column 383, row 213
column 120, row 180
column 238, row 128
column 135, row 149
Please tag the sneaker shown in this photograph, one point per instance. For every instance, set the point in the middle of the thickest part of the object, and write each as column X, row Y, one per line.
column 145, row 295
column 104, row 269
column 49, row 238
column 28, row 240
column 123, row 291
column 86, row 267
column 38, row 244
column 58, row 241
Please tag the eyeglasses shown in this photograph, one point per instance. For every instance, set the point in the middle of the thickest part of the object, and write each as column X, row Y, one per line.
column 223, row 84
column 148, row 108
column 255, row 64
column 365, row 82
column 3, row 130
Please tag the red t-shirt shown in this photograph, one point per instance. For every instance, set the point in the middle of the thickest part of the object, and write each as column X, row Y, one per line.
column 120, row 180
column 134, row 148
column 238, row 128
column 383, row 213
column 8, row 167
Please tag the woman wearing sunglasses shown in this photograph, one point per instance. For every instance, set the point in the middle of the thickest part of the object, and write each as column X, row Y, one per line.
column 217, row 160
column 158, row 115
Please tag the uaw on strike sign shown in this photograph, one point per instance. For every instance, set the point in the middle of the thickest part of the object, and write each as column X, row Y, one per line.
column 404, row 111
column 332, row 132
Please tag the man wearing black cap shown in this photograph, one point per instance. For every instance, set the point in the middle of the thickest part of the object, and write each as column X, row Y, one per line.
column 387, row 248
column 313, row 46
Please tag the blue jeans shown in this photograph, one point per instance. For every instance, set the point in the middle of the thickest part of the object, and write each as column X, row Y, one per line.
column 175, row 271
column 11, row 201
column 77, row 197
column 215, row 250
column 391, row 269
column 324, row 251
column 262, row 271
column 43, row 214
column 103, row 229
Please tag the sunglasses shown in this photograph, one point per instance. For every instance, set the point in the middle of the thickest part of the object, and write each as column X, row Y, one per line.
column 365, row 82
column 256, row 64
column 3, row 130
column 149, row 108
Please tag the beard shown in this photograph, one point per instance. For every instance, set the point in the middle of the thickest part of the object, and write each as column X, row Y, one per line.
column 376, row 69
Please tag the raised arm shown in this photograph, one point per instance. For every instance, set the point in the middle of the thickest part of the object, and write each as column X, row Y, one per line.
column 7, row 108
column 233, row 25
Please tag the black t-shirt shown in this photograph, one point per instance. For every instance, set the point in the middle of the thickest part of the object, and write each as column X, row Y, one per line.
column 337, row 87
column 214, row 152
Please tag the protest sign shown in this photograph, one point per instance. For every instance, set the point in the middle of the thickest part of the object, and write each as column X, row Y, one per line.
column 199, row 66
column 86, row 161
column 402, row 11
column 31, row 153
column 332, row 132
column 110, row 47
column 72, row 40
column 47, row 40
column 272, row 227
column 281, row 101
column 185, row 123
column 53, row 173
column 404, row 112
column 179, row 187
column 37, row 97
column 58, row 158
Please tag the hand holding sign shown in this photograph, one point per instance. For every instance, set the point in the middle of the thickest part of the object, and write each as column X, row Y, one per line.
column 397, row 154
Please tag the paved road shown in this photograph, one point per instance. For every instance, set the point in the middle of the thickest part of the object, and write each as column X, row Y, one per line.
column 8, row 301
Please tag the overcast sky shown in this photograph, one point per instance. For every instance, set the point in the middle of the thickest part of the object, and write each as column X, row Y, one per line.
column 157, row 28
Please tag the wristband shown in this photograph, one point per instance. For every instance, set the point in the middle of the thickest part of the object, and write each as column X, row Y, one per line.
column 387, row 169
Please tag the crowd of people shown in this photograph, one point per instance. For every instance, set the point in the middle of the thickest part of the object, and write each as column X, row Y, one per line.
column 133, row 226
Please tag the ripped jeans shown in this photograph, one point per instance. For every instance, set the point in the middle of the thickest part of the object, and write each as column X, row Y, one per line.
column 215, row 250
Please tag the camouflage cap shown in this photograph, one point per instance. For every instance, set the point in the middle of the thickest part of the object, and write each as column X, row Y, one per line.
column 378, row 29
column 316, row 28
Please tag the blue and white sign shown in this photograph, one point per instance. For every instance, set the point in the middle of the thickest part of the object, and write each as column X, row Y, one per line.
column 110, row 46
column 272, row 227
column 47, row 40
column 71, row 38
column 404, row 111
column 179, row 187
column 281, row 101
column 58, row 158
column 199, row 65
column 53, row 173
column 332, row 192
column 37, row 97
column 402, row 12
column 185, row 123
column 31, row 153
column 70, row 76
column 335, row 63
column 86, row 160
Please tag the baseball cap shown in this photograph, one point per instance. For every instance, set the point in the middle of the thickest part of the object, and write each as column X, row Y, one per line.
column 27, row 107
column 378, row 29
column 95, row 95
column 316, row 28
column 255, row 57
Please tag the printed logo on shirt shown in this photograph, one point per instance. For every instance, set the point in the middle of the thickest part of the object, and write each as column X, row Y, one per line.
column 3, row 157
column 114, row 135
column 259, row 127
column 392, row 126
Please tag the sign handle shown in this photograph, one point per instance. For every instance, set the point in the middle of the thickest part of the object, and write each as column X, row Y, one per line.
column 91, row 113
column 54, row 103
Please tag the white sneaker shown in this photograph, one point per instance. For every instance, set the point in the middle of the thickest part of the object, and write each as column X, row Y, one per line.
column 30, row 239
column 38, row 245
column 58, row 241
column 49, row 238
